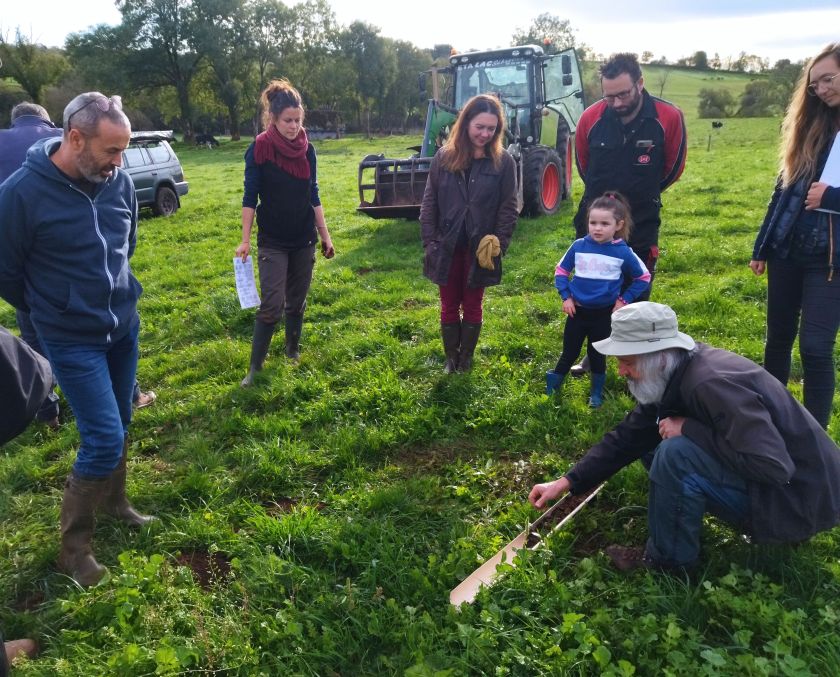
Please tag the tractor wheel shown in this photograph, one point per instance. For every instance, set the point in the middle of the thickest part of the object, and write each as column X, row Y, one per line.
column 543, row 179
column 166, row 202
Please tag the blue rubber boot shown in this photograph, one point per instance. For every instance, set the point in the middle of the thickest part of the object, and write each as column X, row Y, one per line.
column 553, row 381
column 596, row 392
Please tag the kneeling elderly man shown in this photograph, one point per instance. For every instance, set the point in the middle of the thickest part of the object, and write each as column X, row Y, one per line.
column 718, row 434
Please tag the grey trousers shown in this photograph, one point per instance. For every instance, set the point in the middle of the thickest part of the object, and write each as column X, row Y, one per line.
column 285, row 277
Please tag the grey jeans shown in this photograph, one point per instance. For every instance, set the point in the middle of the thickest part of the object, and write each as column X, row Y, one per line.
column 285, row 277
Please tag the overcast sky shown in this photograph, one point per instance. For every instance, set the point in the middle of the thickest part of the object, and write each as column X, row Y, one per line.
column 674, row 28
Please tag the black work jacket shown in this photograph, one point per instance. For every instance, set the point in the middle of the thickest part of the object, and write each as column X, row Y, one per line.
column 748, row 420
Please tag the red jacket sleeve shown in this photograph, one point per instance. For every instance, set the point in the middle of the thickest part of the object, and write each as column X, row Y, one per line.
column 584, row 126
column 673, row 124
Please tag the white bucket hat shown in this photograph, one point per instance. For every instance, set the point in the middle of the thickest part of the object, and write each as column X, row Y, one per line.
column 643, row 327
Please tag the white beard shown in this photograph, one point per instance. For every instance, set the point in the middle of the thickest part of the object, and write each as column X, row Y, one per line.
column 649, row 388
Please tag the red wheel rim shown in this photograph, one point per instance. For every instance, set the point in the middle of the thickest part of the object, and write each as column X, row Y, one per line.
column 550, row 186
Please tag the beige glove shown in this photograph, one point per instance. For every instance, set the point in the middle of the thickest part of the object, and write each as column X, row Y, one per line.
column 487, row 249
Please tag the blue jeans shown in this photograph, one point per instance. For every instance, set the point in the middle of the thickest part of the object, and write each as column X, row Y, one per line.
column 98, row 382
column 685, row 483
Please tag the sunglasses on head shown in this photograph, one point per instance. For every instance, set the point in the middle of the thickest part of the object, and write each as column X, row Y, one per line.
column 103, row 103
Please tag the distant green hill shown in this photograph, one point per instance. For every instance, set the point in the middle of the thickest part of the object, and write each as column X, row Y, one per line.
column 682, row 85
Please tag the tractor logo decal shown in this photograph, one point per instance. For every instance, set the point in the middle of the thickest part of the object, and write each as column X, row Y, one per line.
column 643, row 159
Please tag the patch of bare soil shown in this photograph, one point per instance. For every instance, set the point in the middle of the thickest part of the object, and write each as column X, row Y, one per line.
column 208, row 568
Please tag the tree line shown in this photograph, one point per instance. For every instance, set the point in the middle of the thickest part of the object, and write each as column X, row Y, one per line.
column 199, row 65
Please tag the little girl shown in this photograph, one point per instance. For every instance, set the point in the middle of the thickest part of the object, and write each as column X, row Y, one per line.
column 601, row 262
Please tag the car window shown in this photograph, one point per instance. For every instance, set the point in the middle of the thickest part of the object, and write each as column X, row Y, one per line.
column 159, row 152
column 134, row 157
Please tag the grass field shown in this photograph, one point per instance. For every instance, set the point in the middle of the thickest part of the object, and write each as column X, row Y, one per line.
column 315, row 524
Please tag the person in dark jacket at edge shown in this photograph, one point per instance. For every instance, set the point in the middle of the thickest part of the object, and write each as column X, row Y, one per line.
column 632, row 143
column 718, row 434
column 68, row 227
column 30, row 123
column 467, row 217
column 799, row 239
column 25, row 380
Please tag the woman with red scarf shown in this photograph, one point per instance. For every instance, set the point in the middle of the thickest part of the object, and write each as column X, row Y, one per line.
column 280, row 174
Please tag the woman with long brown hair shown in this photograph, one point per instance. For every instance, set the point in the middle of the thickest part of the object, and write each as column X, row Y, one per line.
column 467, row 218
column 281, row 173
column 799, row 240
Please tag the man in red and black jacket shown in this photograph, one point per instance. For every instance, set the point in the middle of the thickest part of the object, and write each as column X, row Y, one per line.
column 633, row 143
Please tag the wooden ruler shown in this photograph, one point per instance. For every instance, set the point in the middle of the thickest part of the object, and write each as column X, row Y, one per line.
column 531, row 538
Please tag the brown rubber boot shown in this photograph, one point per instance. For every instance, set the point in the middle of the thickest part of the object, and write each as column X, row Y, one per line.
column 451, row 335
column 259, row 349
column 628, row 557
column 115, row 502
column 78, row 520
column 469, row 339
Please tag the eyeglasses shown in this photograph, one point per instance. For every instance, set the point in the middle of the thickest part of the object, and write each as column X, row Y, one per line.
column 621, row 96
column 103, row 103
column 824, row 81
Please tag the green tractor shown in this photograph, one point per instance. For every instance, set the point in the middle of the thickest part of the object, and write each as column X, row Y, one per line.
column 542, row 96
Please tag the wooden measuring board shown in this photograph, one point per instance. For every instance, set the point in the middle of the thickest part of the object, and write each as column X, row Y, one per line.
column 531, row 539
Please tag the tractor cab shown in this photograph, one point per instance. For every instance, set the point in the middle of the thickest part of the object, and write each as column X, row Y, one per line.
column 542, row 96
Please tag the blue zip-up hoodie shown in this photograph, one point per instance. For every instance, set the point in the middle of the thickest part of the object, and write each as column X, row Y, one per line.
column 64, row 256
column 599, row 270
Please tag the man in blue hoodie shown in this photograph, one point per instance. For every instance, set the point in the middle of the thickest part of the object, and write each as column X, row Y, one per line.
column 68, row 225
column 31, row 123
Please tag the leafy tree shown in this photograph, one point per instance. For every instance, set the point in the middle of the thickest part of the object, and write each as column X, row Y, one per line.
column 403, row 99
column 715, row 103
column 701, row 60
column 549, row 30
column 165, row 48
column 34, row 67
column 222, row 33
column 375, row 63
column 647, row 56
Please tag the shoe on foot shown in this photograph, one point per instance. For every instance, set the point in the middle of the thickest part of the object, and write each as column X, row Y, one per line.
column 20, row 647
column 553, row 381
column 628, row 557
column 145, row 399
column 578, row 370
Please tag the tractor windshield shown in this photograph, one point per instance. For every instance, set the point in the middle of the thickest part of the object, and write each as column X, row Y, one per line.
column 508, row 77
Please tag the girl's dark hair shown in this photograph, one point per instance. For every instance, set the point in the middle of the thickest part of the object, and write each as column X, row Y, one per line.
column 277, row 97
column 616, row 203
column 458, row 151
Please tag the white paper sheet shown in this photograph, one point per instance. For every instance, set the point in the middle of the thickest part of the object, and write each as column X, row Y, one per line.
column 246, row 288
column 831, row 171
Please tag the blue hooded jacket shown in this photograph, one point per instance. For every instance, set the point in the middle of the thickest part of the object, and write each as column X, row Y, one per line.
column 64, row 255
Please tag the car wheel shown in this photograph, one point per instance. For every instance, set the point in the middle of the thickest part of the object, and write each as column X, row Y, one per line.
column 166, row 202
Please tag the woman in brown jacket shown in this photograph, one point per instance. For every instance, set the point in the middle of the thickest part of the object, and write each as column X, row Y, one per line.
column 469, row 205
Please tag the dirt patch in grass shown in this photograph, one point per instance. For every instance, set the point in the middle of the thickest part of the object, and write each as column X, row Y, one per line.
column 208, row 568
column 363, row 271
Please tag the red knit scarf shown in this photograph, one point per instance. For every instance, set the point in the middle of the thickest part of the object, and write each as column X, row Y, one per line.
column 290, row 156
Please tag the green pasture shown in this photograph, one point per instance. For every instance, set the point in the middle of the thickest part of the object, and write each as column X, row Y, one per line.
column 315, row 524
